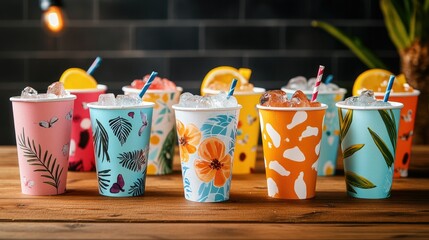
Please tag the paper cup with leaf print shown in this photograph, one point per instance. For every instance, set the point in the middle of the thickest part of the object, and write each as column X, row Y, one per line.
column 206, row 144
column 291, row 138
column 330, row 139
column 368, row 143
column 163, row 135
column 247, row 130
column 121, row 147
column 81, row 148
column 43, row 128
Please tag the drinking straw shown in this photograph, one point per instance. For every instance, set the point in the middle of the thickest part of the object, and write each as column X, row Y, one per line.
column 329, row 79
column 94, row 66
column 317, row 84
column 148, row 83
column 389, row 87
column 232, row 87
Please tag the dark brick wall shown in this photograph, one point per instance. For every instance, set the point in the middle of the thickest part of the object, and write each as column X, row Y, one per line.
column 183, row 40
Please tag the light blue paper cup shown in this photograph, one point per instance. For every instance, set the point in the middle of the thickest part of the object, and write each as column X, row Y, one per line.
column 121, row 145
column 206, row 139
column 330, row 139
column 368, row 141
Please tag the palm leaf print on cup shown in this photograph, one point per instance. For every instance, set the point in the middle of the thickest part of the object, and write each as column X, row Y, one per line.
column 382, row 146
column 121, row 127
column 103, row 179
column 355, row 180
column 101, row 141
column 167, row 152
column 134, row 160
column 41, row 160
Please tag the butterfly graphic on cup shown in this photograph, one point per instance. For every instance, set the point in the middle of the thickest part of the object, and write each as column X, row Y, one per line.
column 118, row 186
column 28, row 183
column 143, row 118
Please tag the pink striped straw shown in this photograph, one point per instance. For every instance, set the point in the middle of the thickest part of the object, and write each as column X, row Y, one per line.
column 317, row 84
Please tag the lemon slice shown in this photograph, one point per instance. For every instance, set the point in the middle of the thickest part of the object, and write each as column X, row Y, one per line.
column 370, row 79
column 76, row 78
column 223, row 75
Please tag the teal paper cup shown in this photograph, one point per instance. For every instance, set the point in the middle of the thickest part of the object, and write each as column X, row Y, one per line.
column 331, row 131
column 121, row 145
column 368, row 138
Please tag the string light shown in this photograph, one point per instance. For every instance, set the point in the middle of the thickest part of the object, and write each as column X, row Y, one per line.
column 53, row 16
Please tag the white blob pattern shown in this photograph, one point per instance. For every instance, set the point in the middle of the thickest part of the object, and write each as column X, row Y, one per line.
column 72, row 147
column 308, row 132
column 278, row 168
column 315, row 164
column 294, row 154
column 86, row 123
column 270, row 145
column 317, row 148
column 272, row 187
column 274, row 135
column 298, row 118
column 331, row 140
column 300, row 187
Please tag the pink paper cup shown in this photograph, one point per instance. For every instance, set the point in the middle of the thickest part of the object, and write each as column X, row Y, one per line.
column 42, row 129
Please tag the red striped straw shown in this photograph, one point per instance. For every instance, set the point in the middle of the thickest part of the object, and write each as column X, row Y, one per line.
column 317, row 84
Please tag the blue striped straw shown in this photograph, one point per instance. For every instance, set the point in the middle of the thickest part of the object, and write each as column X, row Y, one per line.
column 329, row 79
column 148, row 83
column 94, row 66
column 232, row 87
column 389, row 88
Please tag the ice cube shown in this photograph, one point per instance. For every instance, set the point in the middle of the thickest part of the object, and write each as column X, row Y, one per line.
column 332, row 87
column 366, row 97
column 299, row 99
column 310, row 83
column 106, row 99
column 185, row 96
column 57, row 88
column 28, row 92
column 231, row 102
column 127, row 100
column 205, row 102
column 298, row 82
column 46, row 96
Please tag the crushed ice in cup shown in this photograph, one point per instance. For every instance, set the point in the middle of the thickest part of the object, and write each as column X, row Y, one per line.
column 28, row 92
column 107, row 99
column 128, row 100
column 220, row 100
column 278, row 98
column 366, row 98
column 301, row 83
column 57, row 88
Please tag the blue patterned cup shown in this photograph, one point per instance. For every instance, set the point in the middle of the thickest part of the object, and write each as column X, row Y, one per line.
column 121, row 145
column 368, row 138
column 330, row 139
column 206, row 145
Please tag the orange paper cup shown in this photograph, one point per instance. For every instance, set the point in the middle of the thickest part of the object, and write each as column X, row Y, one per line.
column 291, row 139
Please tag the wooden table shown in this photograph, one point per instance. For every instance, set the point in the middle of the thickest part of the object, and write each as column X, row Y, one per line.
column 163, row 212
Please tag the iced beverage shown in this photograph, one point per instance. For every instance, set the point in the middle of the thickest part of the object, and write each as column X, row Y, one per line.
column 329, row 94
column 206, row 130
column 121, row 132
column 291, row 137
column 78, row 82
column 163, row 93
column 42, row 127
column 368, row 133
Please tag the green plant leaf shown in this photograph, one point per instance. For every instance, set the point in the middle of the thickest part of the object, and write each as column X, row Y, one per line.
column 397, row 31
column 390, row 126
column 346, row 122
column 352, row 149
column 167, row 153
column 358, row 181
column 355, row 45
column 381, row 145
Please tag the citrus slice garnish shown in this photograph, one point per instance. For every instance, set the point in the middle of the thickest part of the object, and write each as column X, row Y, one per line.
column 76, row 78
column 370, row 79
column 222, row 76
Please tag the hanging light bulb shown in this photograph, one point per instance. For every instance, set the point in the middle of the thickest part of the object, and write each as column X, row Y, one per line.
column 53, row 16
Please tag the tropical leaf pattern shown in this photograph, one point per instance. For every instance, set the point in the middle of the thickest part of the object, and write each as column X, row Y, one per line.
column 389, row 122
column 137, row 189
column 345, row 122
column 219, row 126
column 103, row 179
column 381, row 145
column 42, row 160
column 186, row 183
column 208, row 189
column 352, row 149
column 355, row 180
column 134, row 160
column 101, row 141
column 121, row 127
column 167, row 153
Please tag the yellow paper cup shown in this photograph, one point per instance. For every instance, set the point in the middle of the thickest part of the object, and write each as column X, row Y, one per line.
column 247, row 130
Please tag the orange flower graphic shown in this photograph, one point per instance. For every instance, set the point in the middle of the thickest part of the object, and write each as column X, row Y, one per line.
column 189, row 137
column 152, row 97
column 214, row 163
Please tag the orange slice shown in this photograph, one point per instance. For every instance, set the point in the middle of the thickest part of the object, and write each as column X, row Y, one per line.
column 370, row 79
column 222, row 76
column 76, row 78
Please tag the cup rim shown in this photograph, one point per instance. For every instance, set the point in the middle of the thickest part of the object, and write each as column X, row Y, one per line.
column 69, row 97
column 144, row 104
column 415, row 92
column 176, row 107
column 100, row 88
column 290, row 109
column 394, row 105
column 339, row 91
column 256, row 91
column 130, row 89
